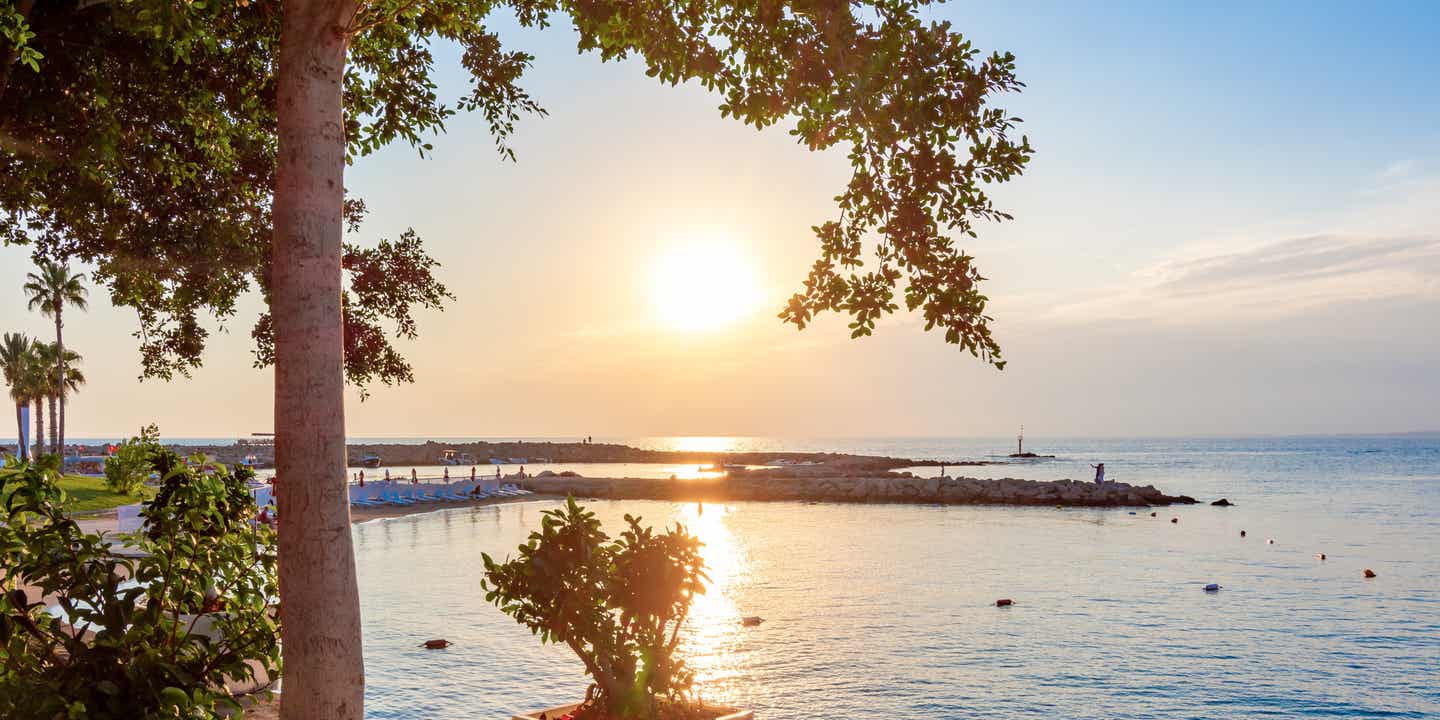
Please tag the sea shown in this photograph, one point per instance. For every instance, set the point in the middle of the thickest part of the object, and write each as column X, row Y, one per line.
column 889, row 611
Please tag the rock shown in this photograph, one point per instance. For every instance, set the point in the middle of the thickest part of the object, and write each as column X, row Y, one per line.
column 1222, row 502
column 1004, row 602
column 437, row 644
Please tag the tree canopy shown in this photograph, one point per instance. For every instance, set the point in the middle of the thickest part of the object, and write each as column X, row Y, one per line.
column 142, row 140
column 139, row 135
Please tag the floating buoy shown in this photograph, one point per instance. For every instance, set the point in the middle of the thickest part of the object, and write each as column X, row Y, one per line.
column 1369, row 573
column 1132, row 512
column 1152, row 514
column 751, row 621
column 1174, row 520
column 437, row 644
column 1212, row 587
column 1004, row 602
column 1270, row 541
column 1242, row 533
column 1320, row 555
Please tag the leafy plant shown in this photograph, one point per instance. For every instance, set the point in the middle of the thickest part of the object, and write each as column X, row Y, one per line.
column 618, row 604
column 127, row 468
column 155, row 633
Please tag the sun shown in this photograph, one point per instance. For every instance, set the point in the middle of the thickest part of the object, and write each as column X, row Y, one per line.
column 703, row 284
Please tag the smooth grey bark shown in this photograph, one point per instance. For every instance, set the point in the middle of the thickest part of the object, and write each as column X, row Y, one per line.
column 323, row 666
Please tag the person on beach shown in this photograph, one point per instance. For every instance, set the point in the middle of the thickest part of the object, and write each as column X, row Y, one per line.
column 387, row 474
column 447, row 474
column 1099, row 473
column 472, row 473
column 362, row 479
column 414, row 479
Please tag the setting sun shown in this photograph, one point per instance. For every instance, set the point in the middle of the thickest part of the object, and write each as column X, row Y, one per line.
column 703, row 285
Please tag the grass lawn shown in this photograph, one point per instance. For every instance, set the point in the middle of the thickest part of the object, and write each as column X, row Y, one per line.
column 89, row 494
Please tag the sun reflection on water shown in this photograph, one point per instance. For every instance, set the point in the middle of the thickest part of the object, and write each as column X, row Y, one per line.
column 701, row 443
column 713, row 632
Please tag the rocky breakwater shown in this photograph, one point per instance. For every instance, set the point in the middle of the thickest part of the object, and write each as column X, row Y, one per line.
column 888, row 489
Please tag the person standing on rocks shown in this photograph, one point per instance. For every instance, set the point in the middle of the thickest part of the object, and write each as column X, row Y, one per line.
column 1099, row 473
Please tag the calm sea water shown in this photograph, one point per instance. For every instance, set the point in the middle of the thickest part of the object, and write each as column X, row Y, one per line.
column 888, row 611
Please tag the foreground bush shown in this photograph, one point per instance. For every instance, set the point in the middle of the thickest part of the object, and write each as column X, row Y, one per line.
column 127, row 468
column 619, row 605
column 154, row 636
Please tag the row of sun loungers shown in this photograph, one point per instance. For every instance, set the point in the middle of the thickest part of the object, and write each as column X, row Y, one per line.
column 381, row 494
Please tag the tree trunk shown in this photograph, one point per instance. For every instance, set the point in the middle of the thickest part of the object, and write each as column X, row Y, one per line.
column 21, row 446
column 324, row 668
column 54, row 443
column 57, row 423
column 39, row 427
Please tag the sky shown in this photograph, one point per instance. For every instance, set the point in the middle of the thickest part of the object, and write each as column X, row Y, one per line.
column 1231, row 226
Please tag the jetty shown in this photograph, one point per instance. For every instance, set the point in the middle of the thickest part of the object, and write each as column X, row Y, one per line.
column 763, row 486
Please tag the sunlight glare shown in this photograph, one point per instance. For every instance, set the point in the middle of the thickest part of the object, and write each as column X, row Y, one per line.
column 703, row 284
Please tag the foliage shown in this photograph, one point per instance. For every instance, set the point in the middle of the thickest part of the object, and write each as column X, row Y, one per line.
column 176, row 218
column 619, row 605
column 139, row 643
column 127, row 468
column 54, row 287
column 229, row 501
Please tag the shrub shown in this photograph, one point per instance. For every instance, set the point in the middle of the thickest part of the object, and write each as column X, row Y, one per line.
column 196, row 615
column 619, row 605
column 127, row 468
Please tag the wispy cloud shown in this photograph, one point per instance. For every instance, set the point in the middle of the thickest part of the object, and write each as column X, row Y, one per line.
column 1400, row 169
column 1272, row 279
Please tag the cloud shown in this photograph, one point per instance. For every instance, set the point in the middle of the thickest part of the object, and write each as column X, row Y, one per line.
column 1272, row 280
column 1399, row 169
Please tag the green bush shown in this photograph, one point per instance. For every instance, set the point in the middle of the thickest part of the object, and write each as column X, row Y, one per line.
column 199, row 616
column 127, row 468
column 619, row 605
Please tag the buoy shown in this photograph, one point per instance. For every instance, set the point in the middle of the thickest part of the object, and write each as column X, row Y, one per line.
column 1152, row 514
column 1174, row 520
column 1242, row 533
column 1320, row 555
column 751, row 621
column 1132, row 512
column 1369, row 573
column 437, row 644
column 1270, row 541
column 1212, row 587
column 1004, row 602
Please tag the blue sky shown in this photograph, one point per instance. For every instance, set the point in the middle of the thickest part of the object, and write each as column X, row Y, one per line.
column 1230, row 227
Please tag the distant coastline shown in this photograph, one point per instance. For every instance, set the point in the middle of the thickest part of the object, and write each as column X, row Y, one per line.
column 397, row 454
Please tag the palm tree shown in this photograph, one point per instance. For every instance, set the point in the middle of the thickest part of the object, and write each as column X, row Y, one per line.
column 51, row 290
column 74, row 378
column 37, row 386
column 16, row 354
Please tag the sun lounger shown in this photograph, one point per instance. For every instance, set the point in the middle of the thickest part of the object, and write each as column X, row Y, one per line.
column 394, row 498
